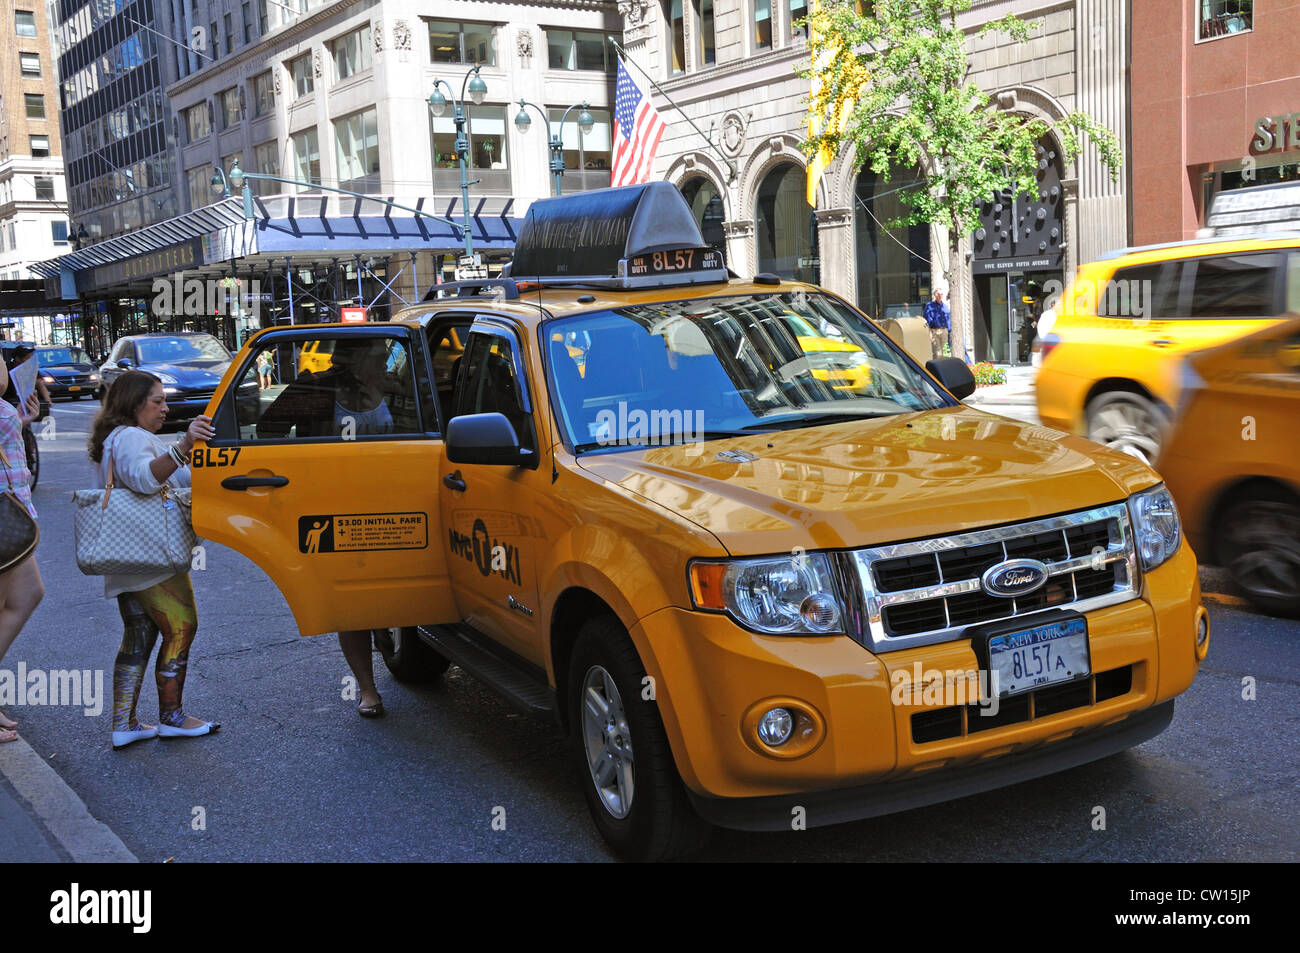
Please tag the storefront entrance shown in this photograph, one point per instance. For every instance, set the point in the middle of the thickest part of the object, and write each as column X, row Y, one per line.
column 1007, row 307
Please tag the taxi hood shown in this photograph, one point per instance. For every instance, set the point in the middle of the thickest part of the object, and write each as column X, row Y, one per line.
column 870, row 482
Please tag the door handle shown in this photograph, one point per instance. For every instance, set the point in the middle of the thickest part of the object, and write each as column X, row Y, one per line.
column 452, row 481
column 244, row 482
column 1162, row 342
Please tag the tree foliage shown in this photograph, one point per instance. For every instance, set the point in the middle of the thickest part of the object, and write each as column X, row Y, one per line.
column 893, row 83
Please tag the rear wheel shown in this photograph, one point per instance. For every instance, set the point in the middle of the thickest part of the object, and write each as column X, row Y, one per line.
column 1122, row 420
column 1259, row 539
column 633, row 791
column 407, row 656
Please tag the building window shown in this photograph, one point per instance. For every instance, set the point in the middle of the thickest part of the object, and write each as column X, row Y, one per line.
column 453, row 42
column 198, row 183
column 230, row 111
column 214, row 39
column 44, row 188
column 30, row 64
column 59, row 232
column 786, row 229
column 306, row 157
column 40, row 146
column 576, row 49
column 675, row 17
column 587, row 156
column 228, row 24
column 248, row 23
column 486, row 129
column 894, row 278
column 357, row 141
column 35, row 104
column 303, row 80
column 798, row 11
column 762, row 24
column 1224, row 17
column 24, row 23
column 266, row 159
column 261, row 17
column 196, row 123
column 706, row 42
column 706, row 206
column 263, row 94
column 351, row 53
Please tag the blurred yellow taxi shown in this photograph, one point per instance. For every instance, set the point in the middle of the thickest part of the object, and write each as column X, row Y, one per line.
column 1232, row 461
column 1112, row 359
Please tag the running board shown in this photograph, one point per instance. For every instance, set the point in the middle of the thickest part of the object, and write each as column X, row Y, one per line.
column 523, row 685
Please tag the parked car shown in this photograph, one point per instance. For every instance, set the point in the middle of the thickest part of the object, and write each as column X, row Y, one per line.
column 1232, row 461
column 189, row 364
column 1112, row 361
column 67, row 372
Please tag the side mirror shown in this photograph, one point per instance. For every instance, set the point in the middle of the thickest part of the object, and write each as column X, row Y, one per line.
column 125, row 364
column 953, row 374
column 486, row 438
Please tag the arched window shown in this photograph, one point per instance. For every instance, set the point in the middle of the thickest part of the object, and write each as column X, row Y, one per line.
column 786, row 227
column 706, row 205
column 893, row 263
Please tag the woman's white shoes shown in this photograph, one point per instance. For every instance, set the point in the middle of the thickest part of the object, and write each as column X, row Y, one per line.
column 207, row 728
column 123, row 738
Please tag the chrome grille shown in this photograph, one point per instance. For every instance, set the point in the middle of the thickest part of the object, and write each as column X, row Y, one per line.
column 929, row 590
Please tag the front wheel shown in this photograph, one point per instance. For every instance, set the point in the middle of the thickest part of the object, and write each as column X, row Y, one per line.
column 633, row 791
column 1122, row 420
column 407, row 656
column 1260, row 543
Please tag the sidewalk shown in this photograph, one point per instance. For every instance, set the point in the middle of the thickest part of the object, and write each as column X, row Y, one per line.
column 1019, row 388
column 43, row 821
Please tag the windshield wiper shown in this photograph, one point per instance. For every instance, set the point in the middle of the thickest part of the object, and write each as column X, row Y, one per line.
column 815, row 420
column 666, row 440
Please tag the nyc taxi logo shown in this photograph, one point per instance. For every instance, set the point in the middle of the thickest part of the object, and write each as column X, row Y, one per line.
column 488, row 554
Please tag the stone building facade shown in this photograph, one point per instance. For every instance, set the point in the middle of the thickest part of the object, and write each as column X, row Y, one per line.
column 732, row 67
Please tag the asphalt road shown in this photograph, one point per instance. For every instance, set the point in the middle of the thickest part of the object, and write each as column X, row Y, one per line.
column 295, row 775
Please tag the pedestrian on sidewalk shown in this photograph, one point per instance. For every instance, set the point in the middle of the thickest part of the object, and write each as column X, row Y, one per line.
column 21, row 588
column 938, row 318
column 126, row 433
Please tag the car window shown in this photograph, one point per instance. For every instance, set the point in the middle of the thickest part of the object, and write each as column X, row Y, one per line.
column 1141, row 291
column 447, row 346
column 1235, row 286
column 1293, row 283
column 366, row 391
column 48, row 357
column 489, row 382
column 200, row 347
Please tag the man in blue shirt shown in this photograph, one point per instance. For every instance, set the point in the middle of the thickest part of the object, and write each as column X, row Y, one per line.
column 938, row 318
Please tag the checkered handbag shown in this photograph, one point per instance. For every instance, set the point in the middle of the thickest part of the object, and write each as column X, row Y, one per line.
column 119, row 531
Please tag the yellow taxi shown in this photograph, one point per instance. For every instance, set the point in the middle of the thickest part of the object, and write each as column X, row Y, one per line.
column 752, row 598
column 1232, row 461
column 1111, row 363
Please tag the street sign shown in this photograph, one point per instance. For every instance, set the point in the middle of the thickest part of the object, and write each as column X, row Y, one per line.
column 352, row 315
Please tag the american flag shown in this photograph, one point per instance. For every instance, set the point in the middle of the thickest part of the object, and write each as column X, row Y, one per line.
column 637, row 131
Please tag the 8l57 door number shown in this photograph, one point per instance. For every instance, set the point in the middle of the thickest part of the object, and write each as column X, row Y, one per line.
column 214, row 456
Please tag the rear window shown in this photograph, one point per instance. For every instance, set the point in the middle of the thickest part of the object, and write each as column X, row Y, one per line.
column 1235, row 286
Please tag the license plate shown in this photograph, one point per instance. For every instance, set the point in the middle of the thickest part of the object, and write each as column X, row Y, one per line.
column 1044, row 655
column 75, row 387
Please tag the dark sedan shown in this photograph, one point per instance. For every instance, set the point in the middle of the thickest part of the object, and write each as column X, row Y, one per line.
column 189, row 364
column 67, row 372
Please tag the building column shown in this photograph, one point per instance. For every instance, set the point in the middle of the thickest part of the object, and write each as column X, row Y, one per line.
column 836, row 251
column 1070, row 222
column 740, row 246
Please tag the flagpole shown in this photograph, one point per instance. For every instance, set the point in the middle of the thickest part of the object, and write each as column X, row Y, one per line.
column 731, row 166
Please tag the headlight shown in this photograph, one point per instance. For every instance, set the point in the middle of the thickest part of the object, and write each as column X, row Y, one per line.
column 165, row 378
column 94, row 377
column 47, row 378
column 1156, row 529
column 787, row 595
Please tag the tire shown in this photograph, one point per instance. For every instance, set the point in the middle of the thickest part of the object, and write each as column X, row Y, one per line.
column 638, row 803
column 32, row 448
column 407, row 656
column 1259, row 545
column 1128, row 422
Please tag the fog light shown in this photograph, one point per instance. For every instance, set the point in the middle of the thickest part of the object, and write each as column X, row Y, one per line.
column 775, row 727
column 1202, row 632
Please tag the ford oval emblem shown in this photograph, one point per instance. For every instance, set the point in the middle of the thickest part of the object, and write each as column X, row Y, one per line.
column 1014, row 577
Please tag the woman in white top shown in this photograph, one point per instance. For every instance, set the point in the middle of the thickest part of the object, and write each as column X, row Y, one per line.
column 125, row 433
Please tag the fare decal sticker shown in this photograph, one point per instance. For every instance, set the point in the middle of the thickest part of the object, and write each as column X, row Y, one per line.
column 359, row 532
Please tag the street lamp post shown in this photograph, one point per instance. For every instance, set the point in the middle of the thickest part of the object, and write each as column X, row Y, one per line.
column 477, row 89
column 585, row 123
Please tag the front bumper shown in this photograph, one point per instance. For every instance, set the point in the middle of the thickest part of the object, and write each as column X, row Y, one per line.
column 712, row 676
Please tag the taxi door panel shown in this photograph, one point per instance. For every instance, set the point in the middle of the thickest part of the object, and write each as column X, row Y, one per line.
column 493, row 537
column 330, row 490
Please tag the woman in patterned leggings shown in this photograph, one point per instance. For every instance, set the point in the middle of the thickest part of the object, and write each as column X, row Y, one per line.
column 126, row 432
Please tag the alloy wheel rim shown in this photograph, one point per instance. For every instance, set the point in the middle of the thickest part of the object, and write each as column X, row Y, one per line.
column 1264, row 541
column 1128, row 428
column 607, row 742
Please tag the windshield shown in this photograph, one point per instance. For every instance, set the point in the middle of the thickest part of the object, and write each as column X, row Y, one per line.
column 200, row 347
column 62, row 355
column 682, row 371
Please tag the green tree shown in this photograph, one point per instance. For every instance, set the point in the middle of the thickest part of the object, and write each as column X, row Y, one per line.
column 892, row 82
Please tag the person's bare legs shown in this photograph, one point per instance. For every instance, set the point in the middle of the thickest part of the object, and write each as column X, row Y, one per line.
column 21, row 591
column 356, row 649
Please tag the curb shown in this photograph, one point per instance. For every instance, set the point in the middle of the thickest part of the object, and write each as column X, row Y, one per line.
column 59, row 811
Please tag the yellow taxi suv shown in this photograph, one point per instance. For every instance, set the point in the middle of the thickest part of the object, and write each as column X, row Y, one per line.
column 752, row 596
column 1232, row 461
column 1111, row 364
